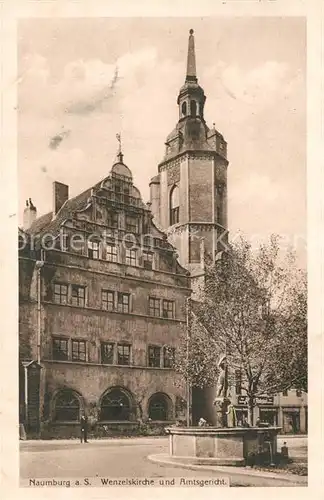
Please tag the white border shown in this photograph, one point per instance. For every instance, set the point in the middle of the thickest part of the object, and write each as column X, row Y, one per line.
column 11, row 10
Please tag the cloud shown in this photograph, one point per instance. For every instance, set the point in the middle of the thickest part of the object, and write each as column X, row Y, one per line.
column 56, row 140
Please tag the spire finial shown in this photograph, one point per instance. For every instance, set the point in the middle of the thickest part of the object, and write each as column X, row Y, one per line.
column 191, row 60
column 119, row 154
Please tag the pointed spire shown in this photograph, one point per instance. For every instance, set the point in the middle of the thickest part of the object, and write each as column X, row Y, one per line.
column 191, row 60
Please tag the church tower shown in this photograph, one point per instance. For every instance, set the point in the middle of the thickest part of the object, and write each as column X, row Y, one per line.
column 189, row 194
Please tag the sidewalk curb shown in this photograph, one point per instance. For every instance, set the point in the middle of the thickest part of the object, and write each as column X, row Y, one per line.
column 166, row 460
column 92, row 441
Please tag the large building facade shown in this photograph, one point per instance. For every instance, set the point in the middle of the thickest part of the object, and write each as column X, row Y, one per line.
column 102, row 307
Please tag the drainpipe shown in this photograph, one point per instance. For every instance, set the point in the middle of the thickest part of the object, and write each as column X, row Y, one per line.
column 188, row 386
column 39, row 265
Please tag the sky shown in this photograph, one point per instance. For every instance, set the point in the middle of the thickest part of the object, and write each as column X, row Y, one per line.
column 82, row 81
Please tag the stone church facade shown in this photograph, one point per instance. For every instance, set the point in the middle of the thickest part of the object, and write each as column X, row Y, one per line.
column 189, row 193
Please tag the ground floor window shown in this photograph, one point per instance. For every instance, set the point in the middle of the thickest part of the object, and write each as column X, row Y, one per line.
column 240, row 414
column 291, row 421
column 270, row 416
column 115, row 405
column 66, row 407
column 159, row 407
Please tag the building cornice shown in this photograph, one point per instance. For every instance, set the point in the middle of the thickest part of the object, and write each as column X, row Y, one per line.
column 113, row 366
column 125, row 276
column 104, row 312
column 190, row 154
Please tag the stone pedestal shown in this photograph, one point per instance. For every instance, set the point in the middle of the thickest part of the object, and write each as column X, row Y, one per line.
column 221, row 446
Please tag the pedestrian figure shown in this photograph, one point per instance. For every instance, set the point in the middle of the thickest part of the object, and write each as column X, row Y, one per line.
column 245, row 422
column 284, row 453
column 84, row 428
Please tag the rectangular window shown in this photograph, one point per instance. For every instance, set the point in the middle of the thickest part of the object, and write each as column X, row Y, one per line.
column 174, row 216
column 78, row 295
column 107, row 353
column 126, row 195
column 147, row 260
column 78, row 350
column 154, row 356
column 168, row 357
column 285, row 393
column 93, row 249
column 60, row 349
column 112, row 220
column 111, row 253
column 131, row 257
column 132, row 224
column 123, row 302
column 154, row 307
column 168, row 309
column 107, row 300
column 219, row 215
column 123, row 354
column 60, row 294
column 238, row 382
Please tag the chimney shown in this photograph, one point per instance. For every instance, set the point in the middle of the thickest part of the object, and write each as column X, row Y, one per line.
column 30, row 214
column 60, row 196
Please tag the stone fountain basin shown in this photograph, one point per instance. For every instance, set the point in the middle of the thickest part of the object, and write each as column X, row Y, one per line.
column 221, row 446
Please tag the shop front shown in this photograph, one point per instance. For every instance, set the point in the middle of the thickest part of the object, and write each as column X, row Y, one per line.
column 241, row 412
column 291, row 420
column 269, row 416
column 264, row 409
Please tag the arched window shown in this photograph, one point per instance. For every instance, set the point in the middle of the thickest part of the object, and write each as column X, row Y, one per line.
column 174, row 205
column 115, row 405
column 184, row 109
column 66, row 406
column 193, row 108
column 159, row 407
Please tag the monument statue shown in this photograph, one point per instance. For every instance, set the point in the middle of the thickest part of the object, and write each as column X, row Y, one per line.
column 222, row 401
column 222, row 382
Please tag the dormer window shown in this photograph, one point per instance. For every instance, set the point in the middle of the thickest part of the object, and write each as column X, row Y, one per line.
column 174, row 205
column 112, row 219
column 132, row 224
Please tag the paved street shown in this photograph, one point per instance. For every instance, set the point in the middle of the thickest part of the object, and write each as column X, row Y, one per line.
column 114, row 458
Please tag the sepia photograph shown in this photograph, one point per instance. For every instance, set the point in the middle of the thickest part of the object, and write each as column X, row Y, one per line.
column 162, row 251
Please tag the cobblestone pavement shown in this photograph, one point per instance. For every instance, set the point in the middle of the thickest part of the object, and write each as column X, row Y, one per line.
column 109, row 458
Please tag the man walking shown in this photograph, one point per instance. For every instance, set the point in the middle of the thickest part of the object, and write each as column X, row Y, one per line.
column 84, row 428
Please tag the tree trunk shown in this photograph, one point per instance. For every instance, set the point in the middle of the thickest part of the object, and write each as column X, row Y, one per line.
column 250, row 410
